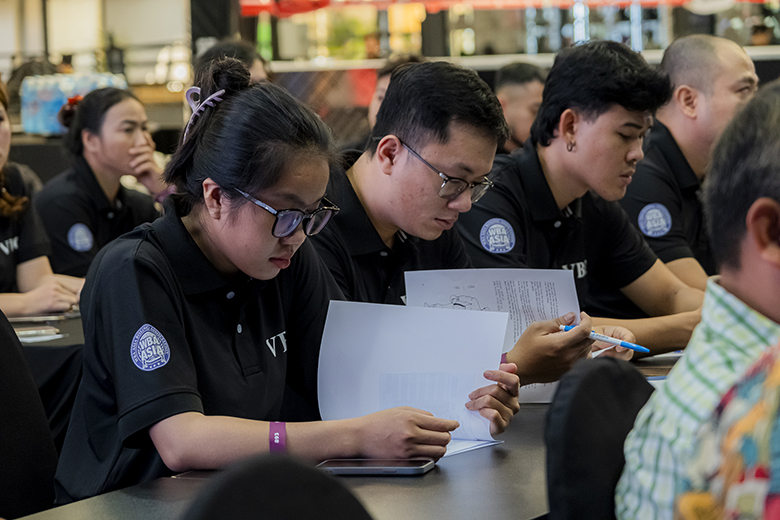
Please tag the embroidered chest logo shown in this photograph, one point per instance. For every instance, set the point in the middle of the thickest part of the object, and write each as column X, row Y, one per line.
column 80, row 237
column 149, row 349
column 280, row 340
column 497, row 236
column 580, row 268
column 655, row 220
column 9, row 245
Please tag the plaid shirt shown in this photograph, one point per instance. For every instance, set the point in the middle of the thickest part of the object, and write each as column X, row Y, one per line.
column 730, row 337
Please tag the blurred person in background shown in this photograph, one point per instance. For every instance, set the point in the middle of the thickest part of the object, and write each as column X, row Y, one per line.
column 382, row 81
column 86, row 207
column 518, row 88
column 27, row 284
column 243, row 51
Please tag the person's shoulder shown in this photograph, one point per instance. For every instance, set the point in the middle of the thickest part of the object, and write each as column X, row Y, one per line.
column 136, row 248
column 14, row 181
column 141, row 204
column 61, row 189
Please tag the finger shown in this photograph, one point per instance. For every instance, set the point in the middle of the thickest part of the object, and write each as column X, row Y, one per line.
column 432, row 438
column 143, row 165
column 144, row 148
column 436, row 424
column 495, row 412
column 498, row 423
column 430, row 451
column 508, row 381
column 507, row 408
column 417, row 410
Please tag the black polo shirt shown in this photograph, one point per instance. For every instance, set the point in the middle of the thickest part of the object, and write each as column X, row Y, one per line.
column 22, row 237
column 166, row 333
column 663, row 202
column 518, row 224
column 364, row 267
column 80, row 219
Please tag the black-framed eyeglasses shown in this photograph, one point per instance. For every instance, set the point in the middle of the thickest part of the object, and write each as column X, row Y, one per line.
column 451, row 187
column 287, row 220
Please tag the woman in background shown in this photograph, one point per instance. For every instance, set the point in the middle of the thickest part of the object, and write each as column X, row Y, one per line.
column 27, row 284
column 86, row 207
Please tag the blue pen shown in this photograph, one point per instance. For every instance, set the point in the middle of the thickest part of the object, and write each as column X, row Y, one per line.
column 606, row 339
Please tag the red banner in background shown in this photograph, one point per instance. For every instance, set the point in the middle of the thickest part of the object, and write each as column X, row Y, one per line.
column 280, row 8
column 283, row 8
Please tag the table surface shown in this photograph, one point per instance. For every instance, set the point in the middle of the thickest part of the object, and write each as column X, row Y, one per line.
column 506, row 481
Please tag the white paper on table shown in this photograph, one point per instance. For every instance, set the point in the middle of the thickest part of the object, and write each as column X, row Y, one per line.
column 40, row 339
column 375, row 357
column 528, row 295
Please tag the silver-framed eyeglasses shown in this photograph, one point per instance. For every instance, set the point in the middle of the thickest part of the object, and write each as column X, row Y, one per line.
column 287, row 220
column 451, row 187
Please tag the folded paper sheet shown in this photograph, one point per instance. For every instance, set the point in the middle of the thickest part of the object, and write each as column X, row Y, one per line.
column 528, row 295
column 375, row 357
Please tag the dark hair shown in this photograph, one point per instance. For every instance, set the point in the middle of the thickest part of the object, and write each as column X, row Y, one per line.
column 246, row 140
column 518, row 73
column 237, row 49
column 11, row 206
column 3, row 96
column 89, row 115
column 593, row 77
column 396, row 61
column 423, row 98
column 691, row 60
column 745, row 167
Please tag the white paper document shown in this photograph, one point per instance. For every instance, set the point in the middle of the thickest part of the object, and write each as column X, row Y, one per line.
column 375, row 357
column 528, row 295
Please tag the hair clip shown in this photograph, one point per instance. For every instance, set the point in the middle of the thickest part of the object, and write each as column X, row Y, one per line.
column 197, row 108
column 75, row 100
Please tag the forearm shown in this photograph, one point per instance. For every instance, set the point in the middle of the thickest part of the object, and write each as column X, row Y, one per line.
column 660, row 334
column 71, row 283
column 194, row 441
column 687, row 299
column 14, row 304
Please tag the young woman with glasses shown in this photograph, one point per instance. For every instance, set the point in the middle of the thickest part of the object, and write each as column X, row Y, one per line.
column 202, row 329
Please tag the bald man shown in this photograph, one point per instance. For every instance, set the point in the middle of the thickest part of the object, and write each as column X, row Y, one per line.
column 712, row 78
column 519, row 89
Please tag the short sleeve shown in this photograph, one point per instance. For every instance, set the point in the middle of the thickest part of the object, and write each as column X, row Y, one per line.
column 493, row 230
column 134, row 321
column 655, row 209
column 72, row 233
column 33, row 242
column 625, row 254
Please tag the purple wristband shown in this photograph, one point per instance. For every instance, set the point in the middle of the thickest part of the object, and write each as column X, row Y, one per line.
column 277, row 437
column 503, row 357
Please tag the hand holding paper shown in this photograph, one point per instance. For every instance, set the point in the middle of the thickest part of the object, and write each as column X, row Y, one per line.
column 543, row 354
column 497, row 403
column 404, row 432
column 382, row 357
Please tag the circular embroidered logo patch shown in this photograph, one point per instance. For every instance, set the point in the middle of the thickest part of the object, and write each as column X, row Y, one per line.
column 149, row 349
column 655, row 220
column 497, row 236
column 80, row 237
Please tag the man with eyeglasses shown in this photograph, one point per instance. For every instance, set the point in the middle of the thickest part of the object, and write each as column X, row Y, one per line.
column 433, row 144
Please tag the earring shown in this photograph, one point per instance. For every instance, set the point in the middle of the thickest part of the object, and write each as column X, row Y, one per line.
column 570, row 146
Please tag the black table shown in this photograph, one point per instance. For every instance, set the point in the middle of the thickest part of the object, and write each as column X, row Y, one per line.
column 56, row 368
column 500, row 482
